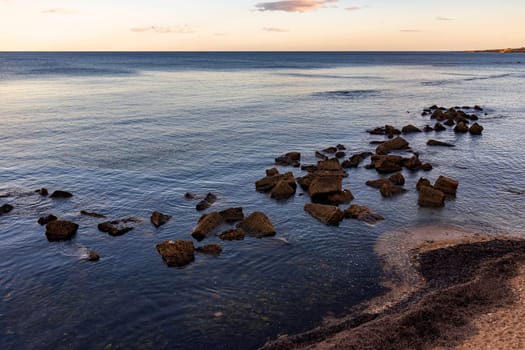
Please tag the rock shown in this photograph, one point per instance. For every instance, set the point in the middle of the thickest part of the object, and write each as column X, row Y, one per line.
column 305, row 181
column 210, row 249
column 428, row 128
column 42, row 191
column 330, row 150
column 266, row 184
column 391, row 145
column 362, row 213
column 323, row 186
column 178, row 253
column 439, row 127
column 289, row 159
column 232, row 215
column 423, row 182
column 60, row 230
column 189, row 196
column 439, row 143
column 206, row 202
column 158, row 219
column 461, row 127
column 327, row 214
column 429, row 197
column 387, row 164
column 388, row 130
column 44, row 220
column 232, row 235
column 282, row 190
column 410, row 129
column 376, row 142
column 272, row 172
column 397, row 179
column 329, row 164
column 478, row 108
column 117, row 227
column 340, row 147
column 94, row 215
column 450, row 122
column 342, row 197
column 93, row 256
column 340, row 154
column 61, row 194
column 355, row 160
column 377, row 183
column 390, row 190
column 438, row 115
column 472, row 117
column 310, row 168
column 257, row 224
column 412, row 163
column 320, row 155
column 446, row 185
column 426, row 167
column 207, row 223
column 6, row 208
column 476, row 129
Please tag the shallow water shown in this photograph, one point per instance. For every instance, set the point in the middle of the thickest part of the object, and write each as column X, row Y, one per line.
column 131, row 133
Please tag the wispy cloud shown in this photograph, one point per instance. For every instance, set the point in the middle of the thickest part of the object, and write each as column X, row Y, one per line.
column 292, row 5
column 58, row 10
column 410, row 31
column 354, row 8
column 185, row 29
column 444, row 19
column 275, row 30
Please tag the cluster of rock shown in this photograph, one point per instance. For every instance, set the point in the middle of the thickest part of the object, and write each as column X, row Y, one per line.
column 455, row 116
column 434, row 196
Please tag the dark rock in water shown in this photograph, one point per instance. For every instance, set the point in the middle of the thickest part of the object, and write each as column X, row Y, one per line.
column 439, row 143
column 412, row 163
column 206, row 202
column 450, row 122
column 321, row 187
column 438, row 115
column 355, row 160
column 423, row 182
column 388, row 130
column 60, row 230
column 189, row 196
column 289, row 159
column 387, row 164
column 6, row 208
column 330, row 150
column 377, row 183
column 472, row 117
column 320, row 155
column 377, row 142
column 428, row 128
column 390, row 190
column 231, row 215
column 342, row 197
column 61, row 194
column 94, row 215
column 158, row 219
column 117, row 227
column 178, row 253
column 476, row 129
column 340, row 147
column 327, row 214
column 210, row 249
column 397, row 179
column 272, row 172
column 206, row 225
column 426, row 167
column 44, row 220
column 439, row 127
column 362, row 213
column 466, row 107
column 446, row 185
column 391, row 145
column 282, row 190
column 461, row 127
column 429, row 197
column 266, row 184
column 478, row 108
column 232, row 235
column 340, row 154
column 410, row 129
column 93, row 256
column 42, row 191
column 257, row 224
column 309, row 168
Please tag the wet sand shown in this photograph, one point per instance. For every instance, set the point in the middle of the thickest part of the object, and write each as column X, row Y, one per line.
column 449, row 289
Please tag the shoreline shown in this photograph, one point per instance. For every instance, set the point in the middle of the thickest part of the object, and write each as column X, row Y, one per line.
column 448, row 288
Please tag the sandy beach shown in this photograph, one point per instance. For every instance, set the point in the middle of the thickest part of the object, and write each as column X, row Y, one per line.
column 448, row 289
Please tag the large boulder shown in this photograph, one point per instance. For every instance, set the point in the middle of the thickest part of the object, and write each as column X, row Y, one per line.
column 410, row 129
column 327, row 214
column 446, row 185
column 439, row 143
column 61, row 194
column 178, row 253
column 60, row 230
column 476, row 129
column 257, row 224
column 158, row 219
column 391, row 145
column 362, row 213
column 236, row 234
column 206, row 202
column 432, row 198
column 231, row 215
column 206, row 225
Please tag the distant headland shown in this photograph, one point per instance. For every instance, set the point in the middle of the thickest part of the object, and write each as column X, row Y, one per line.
column 508, row 50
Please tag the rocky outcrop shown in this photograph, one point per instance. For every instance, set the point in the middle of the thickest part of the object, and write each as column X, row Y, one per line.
column 327, row 214
column 118, row 227
column 210, row 249
column 232, row 215
column 61, row 194
column 362, row 213
column 391, row 145
column 432, row 198
column 476, row 129
column 178, row 253
column 446, row 185
column 439, row 143
column 410, row 129
column 60, row 230
column 44, row 220
column 158, row 219
column 206, row 225
column 289, row 159
column 206, row 202
column 258, row 225
column 6, row 208
column 232, row 235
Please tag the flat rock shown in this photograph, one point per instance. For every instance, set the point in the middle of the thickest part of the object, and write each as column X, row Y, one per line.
column 386, row 164
column 446, row 185
column 362, row 213
column 289, row 159
column 266, row 184
column 94, row 215
column 61, row 194
column 412, row 163
column 178, row 253
column 439, row 143
column 206, row 225
column 158, row 219
column 320, row 155
column 323, row 186
column 210, row 249
column 44, row 220
column 232, row 235
column 431, row 198
column 231, row 215
column 257, row 224
column 391, row 145
column 327, row 214
column 60, row 230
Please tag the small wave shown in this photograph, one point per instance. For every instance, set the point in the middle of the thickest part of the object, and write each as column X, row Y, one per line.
column 328, row 76
column 353, row 94
column 495, row 76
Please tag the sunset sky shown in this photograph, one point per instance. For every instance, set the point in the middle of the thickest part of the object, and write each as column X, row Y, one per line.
column 201, row 25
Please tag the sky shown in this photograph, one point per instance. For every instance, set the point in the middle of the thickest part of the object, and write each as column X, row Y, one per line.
column 260, row 25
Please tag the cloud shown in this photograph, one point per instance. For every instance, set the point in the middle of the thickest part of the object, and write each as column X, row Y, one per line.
column 444, row 19
column 185, row 29
column 58, row 10
column 354, row 8
column 410, row 31
column 292, row 5
column 275, row 30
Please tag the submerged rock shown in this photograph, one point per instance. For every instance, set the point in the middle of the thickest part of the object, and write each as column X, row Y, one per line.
column 206, row 225
column 439, row 127
column 117, row 227
column 232, row 235
column 342, row 197
column 94, row 215
column 44, row 220
column 362, row 213
column 158, row 219
column 429, row 197
column 6, row 208
column 377, row 183
column 428, row 128
column 43, row 191
column 410, row 129
column 60, row 230
column 61, row 194
column 289, row 159
column 461, row 127
column 210, row 249
column 412, row 163
column 206, row 202
column 439, row 143
column 258, row 225
column 446, row 185
column 327, row 214
column 189, row 196
column 231, row 215
column 178, row 253
column 93, row 256
column 390, row 190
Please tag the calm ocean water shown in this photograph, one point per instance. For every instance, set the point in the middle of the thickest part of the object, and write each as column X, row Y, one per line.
column 129, row 133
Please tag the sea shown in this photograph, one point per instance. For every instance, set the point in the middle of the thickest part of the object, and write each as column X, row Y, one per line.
column 129, row 133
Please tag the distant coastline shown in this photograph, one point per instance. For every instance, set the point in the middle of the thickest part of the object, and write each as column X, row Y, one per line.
column 507, row 50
